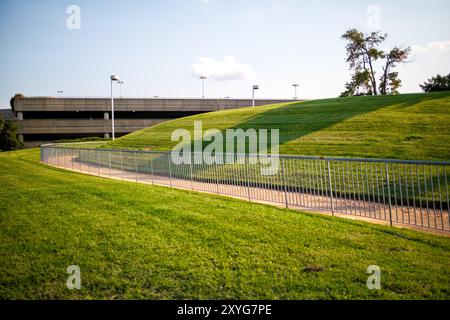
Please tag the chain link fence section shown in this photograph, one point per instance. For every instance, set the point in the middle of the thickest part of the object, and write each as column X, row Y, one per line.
column 397, row 191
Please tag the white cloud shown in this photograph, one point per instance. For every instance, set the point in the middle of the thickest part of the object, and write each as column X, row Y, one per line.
column 440, row 47
column 228, row 69
column 205, row 1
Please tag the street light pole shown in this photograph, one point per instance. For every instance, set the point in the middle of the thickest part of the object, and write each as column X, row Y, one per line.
column 113, row 78
column 255, row 87
column 203, row 78
column 295, row 85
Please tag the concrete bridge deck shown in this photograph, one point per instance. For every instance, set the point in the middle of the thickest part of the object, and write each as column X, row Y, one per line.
column 47, row 119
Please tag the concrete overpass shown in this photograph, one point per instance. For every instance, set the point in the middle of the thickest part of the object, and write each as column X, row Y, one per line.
column 45, row 119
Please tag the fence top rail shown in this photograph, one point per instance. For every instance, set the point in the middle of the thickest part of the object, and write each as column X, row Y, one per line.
column 338, row 159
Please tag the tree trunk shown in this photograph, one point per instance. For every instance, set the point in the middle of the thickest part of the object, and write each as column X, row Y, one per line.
column 384, row 83
column 374, row 82
column 372, row 77
column 385, row 78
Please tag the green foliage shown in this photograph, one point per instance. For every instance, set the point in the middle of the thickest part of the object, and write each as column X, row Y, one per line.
column 135, row 241
column 359, row 85
column 437, row 83
column 8, row 136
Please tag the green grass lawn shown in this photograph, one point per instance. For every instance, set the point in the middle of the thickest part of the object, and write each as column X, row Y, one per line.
column 409, row 126
column 139, row 241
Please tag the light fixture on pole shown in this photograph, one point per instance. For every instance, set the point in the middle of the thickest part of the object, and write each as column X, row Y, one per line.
column 60, row 92
column 295, row 85
column 255, row 87
column 120, row 88
column 203, row 78
column 113, row 78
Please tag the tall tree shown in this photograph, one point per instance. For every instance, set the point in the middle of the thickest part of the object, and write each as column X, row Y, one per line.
column 389, row 81
column 362, row 55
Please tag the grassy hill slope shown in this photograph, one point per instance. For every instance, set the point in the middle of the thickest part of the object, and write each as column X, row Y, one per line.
column 409, row 126
column 139, row 241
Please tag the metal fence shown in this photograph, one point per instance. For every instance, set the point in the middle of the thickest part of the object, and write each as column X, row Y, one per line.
column 397, row 191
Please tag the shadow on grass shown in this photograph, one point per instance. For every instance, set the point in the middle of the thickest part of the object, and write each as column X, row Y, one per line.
column 304, row 118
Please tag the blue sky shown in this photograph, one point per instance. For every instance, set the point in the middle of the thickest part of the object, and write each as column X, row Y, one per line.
column 160, row 47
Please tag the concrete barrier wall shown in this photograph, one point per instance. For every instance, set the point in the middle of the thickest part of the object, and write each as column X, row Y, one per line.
column 122, row 104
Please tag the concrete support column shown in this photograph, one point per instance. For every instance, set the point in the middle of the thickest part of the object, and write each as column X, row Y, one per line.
column 19, row 115
column 106, row 117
